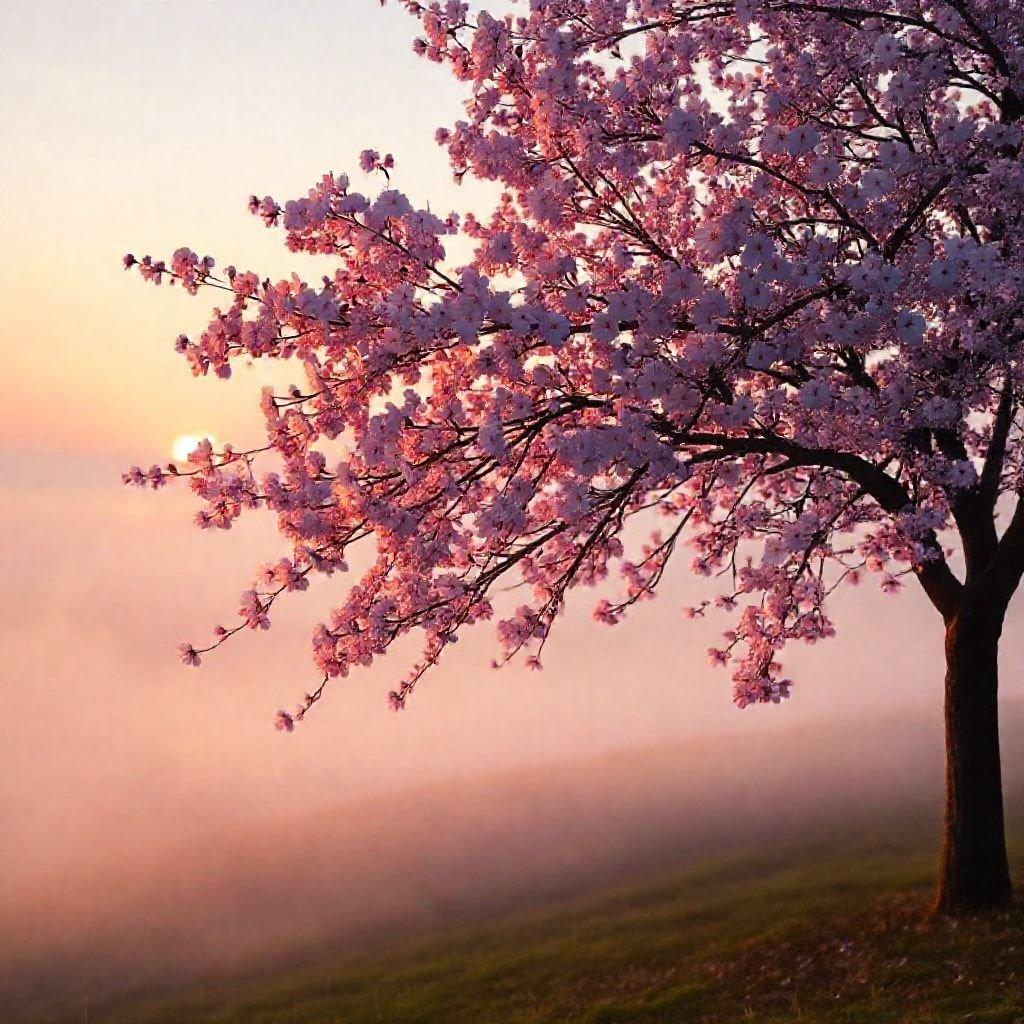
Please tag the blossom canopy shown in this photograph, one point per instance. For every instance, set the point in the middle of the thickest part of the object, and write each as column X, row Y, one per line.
column 755, row 274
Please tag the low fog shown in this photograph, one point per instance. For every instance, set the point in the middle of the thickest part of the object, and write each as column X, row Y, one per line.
column 157, row 830
column 281, row 889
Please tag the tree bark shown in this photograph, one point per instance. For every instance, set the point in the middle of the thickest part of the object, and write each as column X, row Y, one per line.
column 975, row 874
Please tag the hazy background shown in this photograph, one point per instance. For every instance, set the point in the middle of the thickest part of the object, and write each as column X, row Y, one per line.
column 149, row 809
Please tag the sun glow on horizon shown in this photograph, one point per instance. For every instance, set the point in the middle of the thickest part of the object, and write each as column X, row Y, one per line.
column 184, row 445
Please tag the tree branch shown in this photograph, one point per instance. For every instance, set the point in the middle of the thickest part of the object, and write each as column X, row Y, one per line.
column 1007, row 568
column 939, row 582
column 992, row 470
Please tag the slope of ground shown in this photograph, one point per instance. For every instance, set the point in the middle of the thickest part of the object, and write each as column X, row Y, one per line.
column 820, row 936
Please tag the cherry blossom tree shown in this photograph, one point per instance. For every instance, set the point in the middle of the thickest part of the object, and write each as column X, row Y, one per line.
column 755, row 275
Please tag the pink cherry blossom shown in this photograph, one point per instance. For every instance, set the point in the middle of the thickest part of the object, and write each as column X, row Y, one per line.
column 752, row 283
column 188, row 655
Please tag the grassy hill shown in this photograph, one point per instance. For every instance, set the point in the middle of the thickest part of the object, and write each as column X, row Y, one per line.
column 819, row 936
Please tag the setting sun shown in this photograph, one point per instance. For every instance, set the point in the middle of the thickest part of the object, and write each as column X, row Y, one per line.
column 184, row 445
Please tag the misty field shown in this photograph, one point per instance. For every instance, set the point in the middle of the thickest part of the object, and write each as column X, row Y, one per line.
column 822, row 936
column 787, row 879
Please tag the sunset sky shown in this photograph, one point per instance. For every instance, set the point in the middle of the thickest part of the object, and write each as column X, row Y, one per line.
column 145, row 126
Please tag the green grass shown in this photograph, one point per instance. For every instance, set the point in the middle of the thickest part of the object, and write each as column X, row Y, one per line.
column 819, row 938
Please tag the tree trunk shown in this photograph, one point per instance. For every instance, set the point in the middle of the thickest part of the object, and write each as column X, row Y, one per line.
column 975, row 874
